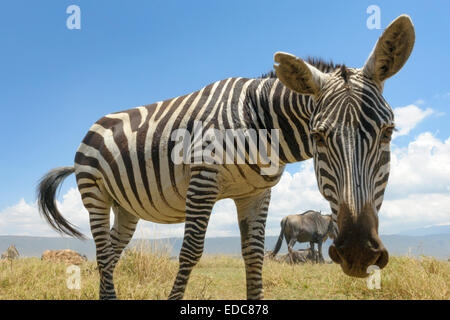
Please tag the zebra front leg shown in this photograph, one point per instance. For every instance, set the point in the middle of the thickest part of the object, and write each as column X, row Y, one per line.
column 252, row 214
column 200, row 199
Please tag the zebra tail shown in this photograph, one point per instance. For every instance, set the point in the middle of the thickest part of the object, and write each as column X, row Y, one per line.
column 280, row 238
column 46, row 193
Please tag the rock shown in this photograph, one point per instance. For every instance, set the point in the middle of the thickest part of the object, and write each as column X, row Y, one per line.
column 67, row 256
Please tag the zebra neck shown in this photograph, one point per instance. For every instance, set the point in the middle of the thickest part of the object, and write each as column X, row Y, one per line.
column 289, row 112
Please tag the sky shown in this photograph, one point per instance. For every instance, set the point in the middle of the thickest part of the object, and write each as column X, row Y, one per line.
column 55, row 82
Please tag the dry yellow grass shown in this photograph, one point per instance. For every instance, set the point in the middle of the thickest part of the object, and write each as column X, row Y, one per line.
column 148, row 273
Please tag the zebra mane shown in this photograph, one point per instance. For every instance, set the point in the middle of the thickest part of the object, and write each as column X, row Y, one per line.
column 319, row 63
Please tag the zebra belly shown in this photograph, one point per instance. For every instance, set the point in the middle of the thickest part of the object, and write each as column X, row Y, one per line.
column 159, row 200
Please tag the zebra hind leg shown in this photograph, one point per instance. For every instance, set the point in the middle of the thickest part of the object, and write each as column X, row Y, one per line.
column 104, row 251
column 252, row 214
column 201, row 197
column 121, row 232
column 110, row 244
column 99, row 206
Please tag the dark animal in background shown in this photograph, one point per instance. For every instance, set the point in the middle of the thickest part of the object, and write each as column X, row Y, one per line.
column 294, row 256
column 309, row 226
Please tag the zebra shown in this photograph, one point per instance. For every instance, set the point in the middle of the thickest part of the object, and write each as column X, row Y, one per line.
column 333, row 114
column 11, row 253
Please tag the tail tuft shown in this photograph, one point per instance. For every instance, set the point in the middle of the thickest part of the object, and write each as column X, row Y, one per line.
column 46, row 194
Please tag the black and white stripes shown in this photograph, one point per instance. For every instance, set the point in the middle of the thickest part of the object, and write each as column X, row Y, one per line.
column 201, row 195
column 124, row 162
column 336, row 115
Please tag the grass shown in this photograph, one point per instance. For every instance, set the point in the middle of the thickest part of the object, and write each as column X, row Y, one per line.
column 148, row 273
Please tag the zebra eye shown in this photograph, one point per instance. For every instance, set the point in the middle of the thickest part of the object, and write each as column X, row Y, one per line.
column 386, row 135
column 318, row 139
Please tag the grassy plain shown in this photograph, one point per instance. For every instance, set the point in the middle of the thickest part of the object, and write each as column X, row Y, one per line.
column 149, row 274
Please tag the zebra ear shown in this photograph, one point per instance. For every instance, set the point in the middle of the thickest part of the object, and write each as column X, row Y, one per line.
column 392, row 50
column 298, row 75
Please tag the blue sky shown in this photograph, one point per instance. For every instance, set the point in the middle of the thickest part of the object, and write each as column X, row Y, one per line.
column 55, row 82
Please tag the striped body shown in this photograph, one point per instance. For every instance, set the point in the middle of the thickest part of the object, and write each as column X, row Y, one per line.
column 130, row 151
column 335, row 115
column 124, row 162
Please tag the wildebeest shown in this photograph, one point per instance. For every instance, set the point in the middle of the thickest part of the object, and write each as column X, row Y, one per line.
column 294, row 256
column 310, row 226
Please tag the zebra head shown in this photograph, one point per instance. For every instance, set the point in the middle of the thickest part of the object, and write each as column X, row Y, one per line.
column 351, row 127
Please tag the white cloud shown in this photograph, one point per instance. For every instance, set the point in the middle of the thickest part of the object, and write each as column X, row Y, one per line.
column 146, row 230
column 422, row 167
column 23, row 218
column 407, row 118
column 415, row 211
column 418, row 192
column 222, row 223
